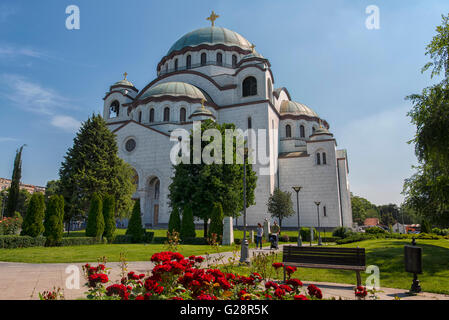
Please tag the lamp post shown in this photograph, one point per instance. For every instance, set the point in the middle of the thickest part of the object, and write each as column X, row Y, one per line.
column 297, row 189
column 244, row 252
column 319, row 225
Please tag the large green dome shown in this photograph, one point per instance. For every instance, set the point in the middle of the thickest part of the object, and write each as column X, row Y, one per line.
column 211, row 36
column 179, row 89
column 291, row 107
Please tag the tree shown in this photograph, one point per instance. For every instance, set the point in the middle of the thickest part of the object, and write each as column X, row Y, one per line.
column 280, row 205
column 109, row 217
column 52, row 188
column 13, row 194
column 92, row 165
column 362, row 209
column 216, row 224
column 54, row 220
column 135, row 229
column 199, row 186
column 187, row 224
column 427, row 191
column 95, row 220
column 33, row 225
column 174, row 223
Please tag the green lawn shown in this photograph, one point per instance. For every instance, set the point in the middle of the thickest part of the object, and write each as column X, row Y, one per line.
column 388, row 255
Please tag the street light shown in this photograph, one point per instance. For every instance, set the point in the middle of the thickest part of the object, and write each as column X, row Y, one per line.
column 319, row 225
column 297, row 189
column 244, row 252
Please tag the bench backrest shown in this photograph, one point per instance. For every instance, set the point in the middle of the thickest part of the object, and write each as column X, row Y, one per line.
column 325, row 255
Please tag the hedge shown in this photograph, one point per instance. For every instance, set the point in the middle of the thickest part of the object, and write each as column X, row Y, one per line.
column 12, row 242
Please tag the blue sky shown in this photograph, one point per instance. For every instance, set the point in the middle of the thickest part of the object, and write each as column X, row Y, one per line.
column 51, row 78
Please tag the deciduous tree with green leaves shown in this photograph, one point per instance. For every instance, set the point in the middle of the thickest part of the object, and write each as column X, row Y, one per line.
column 280, row 205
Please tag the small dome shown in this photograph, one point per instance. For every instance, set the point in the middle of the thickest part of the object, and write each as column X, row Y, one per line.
column 211, row 36
column 180, row 89
column 296, row 108
column 123, row 83
column 254, row 54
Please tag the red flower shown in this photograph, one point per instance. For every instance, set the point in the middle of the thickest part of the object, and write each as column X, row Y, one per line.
column 286, row 288
column 278, row 265
column 300, row 297
column 206, row 297
column 290, row 269
column 279, row 293
column 295, row 283
column 314, row 291
column 271, row 284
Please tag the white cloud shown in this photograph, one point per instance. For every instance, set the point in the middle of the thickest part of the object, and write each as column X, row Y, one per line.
column 66, row 123
column 8, row 51
column 379, row 156
column 7, row 139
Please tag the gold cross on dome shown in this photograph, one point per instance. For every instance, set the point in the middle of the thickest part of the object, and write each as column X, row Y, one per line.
column 213, row 17
column 252, row 47
column 125, row 75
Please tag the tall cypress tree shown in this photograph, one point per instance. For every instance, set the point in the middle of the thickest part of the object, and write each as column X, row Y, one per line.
column 187, row 224
column 95, row 220
column 174, row 223
column 135, row 229
column 13, row 194
column 54, row 227
column 33, row 224
column 216, row 224
column 109, row 217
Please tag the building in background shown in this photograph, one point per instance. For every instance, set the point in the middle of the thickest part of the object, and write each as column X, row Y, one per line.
column 6, row 183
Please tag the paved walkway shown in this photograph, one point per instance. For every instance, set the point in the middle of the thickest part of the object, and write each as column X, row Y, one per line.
column 20, row 281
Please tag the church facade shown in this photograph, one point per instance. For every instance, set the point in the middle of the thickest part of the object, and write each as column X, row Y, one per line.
column 215, row 73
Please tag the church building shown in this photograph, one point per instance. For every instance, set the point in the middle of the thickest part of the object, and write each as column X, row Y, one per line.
column 215, row 73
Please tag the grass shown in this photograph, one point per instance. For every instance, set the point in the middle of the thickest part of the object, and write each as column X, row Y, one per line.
column 388, row 255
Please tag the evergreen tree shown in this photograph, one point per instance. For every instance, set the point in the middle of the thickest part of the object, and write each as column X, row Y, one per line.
column 216, row 224
column 95, row 220
column 13, row 194
column 92, row 165
column 280, row 205
column 174, row 223
column 425, row 226
column 109, row 217
column 135, row 229
column 54, row 224
column 33, row 224
column 187, row 224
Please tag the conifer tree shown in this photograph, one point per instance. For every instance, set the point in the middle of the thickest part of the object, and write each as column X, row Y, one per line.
column 109, row 217
column 135, row 229
column 187, row 224
column 33, row 224
column 54, row 227
column 216, row 224
column 14, row 190
column 95, row 220
column 174, row 224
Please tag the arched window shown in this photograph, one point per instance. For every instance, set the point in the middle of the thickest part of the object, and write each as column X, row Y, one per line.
column 324, row 211
column 176, row 64
column 324, row 158
column 318, row 159
column 313, row 130
column 140, row 116
column 302, row 131
column 250, row 123
column 288, row 131
column 152, row 115
column 203, row 59
column 114, row 109
column 182, row 115
column 270, row 90
column 249, row 87
column 189, row 62
column 157, row 187
column 234, row 61
column 166, row 68
column 219, row 59
column 167, row 114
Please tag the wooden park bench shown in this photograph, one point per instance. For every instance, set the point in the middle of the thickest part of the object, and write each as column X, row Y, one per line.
column 325, row 258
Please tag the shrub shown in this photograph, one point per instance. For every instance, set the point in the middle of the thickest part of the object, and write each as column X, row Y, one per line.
column 375, row 230
column 305, row 234
column 216, row 224
column 135, row 229
column 95, row 219
column 11, row 226
column 15, row 241
column 54, row 224
column 425, row 226
column 330, row 239
column 148, row 237
column 109, row 217
column 80, row 241
column 342, row 232
column 33, row 225
column 174, row 223
column 187, row 224
column 356, row 237
column 284, row 238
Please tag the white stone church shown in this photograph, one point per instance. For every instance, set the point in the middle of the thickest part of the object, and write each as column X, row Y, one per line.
column 223, row 70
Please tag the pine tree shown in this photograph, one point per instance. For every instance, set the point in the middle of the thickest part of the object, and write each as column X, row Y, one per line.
column 174, row 224
column 187, row 224
column 13, row 194
column 109, row 217
column 33, row 224
column 135, row 229
column 216, row 224
column 95, row 220
column 92, row 165
column 54, row 227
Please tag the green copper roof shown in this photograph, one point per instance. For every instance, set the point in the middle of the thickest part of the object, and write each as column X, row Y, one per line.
column 211, row 35
column 296, row 108
column 175, row 89
column 123, row 83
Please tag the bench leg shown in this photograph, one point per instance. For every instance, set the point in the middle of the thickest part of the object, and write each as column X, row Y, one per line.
column 359, row 278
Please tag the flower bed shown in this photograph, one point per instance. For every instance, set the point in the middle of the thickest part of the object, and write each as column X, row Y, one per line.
column 175, row 277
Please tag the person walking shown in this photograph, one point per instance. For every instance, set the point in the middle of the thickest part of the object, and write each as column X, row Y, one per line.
column 275, row 230
column 259, row 235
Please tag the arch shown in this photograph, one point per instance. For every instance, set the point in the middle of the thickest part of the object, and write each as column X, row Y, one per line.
column 154, row 191
column 324, row 211
column 219, row 59
column 203, row 59
column 250, row 123
column 182, row 115
column 152, row 115
column 302, row 131
column 318, row 159
column 234, row 61
column 324, row 158
column 176, row 64
column 114, row 109
column 189, row 62
column 166, row 114
column 249, row 87
column 288, row 131
column 140, row 117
